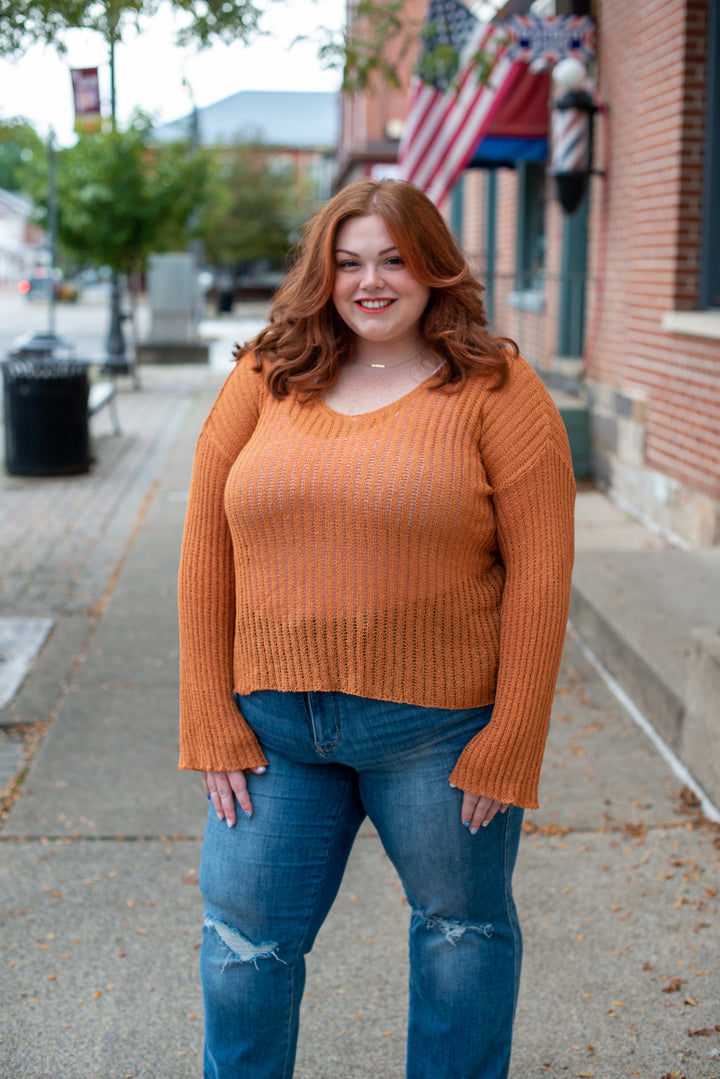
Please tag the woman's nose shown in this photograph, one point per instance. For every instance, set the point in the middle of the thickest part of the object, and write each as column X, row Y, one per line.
column 371, row 276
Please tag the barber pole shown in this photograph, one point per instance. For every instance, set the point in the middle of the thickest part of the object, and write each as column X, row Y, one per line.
column 572, row 135
column 570, row 128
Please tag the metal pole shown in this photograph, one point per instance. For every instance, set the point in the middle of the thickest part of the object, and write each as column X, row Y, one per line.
column 112, row 27
column 52, row 227
column 195, row 246
column 490, row 232
column 116, row 360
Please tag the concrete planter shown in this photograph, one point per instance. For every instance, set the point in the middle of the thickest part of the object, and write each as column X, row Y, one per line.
column 173, row 352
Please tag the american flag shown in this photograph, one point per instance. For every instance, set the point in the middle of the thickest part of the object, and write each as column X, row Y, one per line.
column 449, row 110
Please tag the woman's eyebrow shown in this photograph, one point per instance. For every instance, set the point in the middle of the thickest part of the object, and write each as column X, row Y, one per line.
column 385, row 251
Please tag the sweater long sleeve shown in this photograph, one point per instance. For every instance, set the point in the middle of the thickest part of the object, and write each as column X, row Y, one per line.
column 213, row 735
column 419, row 553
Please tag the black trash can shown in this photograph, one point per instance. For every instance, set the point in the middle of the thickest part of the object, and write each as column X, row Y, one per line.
column 47, row 430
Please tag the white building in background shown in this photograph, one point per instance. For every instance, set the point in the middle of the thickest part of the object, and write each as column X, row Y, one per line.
column 21, row 242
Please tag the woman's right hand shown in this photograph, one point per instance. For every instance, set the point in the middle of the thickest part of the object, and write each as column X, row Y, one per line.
column 222, row 788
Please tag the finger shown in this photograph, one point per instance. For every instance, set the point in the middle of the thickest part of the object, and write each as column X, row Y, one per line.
column 221, row 795
column 469, row 805
column 479, row 818
column 226, row 797
column 238, row 784
column 484, row 813
column 209, row 782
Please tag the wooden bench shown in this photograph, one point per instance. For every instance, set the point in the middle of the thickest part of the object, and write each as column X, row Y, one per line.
column 101, row 394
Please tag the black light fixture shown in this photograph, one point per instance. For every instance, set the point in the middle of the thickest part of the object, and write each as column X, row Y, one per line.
column 573, row 113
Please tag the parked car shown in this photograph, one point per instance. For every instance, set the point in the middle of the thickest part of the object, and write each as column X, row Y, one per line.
column 38, row 285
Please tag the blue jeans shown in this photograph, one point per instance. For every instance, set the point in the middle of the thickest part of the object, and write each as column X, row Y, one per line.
column 269, row 882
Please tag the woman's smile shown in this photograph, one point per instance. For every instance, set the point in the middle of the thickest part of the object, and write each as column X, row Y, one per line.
column 374, row 305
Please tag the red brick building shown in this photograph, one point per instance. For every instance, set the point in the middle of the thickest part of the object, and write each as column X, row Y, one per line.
column 619, row 303
column 653, row 360
column 371, row 123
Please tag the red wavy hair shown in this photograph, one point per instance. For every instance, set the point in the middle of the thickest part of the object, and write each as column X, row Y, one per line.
column 305, row 342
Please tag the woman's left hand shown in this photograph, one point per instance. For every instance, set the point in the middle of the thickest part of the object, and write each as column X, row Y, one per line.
column 477, row 811
column 222, row 788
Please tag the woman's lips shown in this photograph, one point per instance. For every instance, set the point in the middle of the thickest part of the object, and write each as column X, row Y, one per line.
column 374, row 305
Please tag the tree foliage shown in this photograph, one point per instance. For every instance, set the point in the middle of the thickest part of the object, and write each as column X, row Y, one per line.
column 121, row 197
column 45, row 20
column 251, row 211
column 379, row 34
column 19, row 144
column 35, row 20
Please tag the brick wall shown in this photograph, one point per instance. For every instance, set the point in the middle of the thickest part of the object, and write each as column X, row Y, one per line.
column 645, row 252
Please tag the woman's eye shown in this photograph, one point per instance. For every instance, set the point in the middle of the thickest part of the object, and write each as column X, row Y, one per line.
column 347, row 264
column 395, row 261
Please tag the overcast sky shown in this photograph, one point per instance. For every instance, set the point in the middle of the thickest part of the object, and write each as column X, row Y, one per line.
column 150, row 68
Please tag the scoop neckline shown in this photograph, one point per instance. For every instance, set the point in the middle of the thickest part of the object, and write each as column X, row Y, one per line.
column 353, row 417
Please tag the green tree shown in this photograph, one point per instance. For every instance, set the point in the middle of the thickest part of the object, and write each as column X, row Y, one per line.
column 121, row 197
column 19, row 144
column 252, row 209
column 378, row 36
column 45, row 20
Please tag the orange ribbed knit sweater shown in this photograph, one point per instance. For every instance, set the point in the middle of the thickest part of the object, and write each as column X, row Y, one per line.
column 418, row 553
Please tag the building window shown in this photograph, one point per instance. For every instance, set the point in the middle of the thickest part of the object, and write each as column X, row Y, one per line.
column 530, row 236
column 456, row 209
column 710, row 262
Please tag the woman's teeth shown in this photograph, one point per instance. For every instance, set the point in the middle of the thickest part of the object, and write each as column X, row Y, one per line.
column 374, row 305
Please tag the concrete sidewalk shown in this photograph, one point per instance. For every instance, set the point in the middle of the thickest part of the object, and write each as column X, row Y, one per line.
column 619, row 873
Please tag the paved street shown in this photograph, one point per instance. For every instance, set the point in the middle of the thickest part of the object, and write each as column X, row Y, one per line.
column 618, row 881
column 86, row 323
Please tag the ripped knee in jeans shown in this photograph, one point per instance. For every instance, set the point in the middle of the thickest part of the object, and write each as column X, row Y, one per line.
column 239, row 947
column 454, row 931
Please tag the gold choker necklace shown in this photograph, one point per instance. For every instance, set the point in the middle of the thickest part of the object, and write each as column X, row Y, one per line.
column 388, row 366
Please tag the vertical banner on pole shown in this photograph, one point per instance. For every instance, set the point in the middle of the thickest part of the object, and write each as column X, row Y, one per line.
column 86, row 94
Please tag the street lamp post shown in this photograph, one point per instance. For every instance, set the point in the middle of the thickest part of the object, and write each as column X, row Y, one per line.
column 116, row 362
column 52, row 229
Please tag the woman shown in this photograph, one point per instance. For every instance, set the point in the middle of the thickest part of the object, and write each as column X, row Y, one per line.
column 373, row 597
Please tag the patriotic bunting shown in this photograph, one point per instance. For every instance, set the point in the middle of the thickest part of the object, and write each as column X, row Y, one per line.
column 547, row 41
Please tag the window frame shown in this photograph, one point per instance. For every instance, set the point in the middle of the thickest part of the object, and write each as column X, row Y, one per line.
column 529, row 275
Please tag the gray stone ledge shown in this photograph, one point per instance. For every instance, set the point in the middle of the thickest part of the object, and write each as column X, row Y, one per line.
column 700, row 732
column 173, row 352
